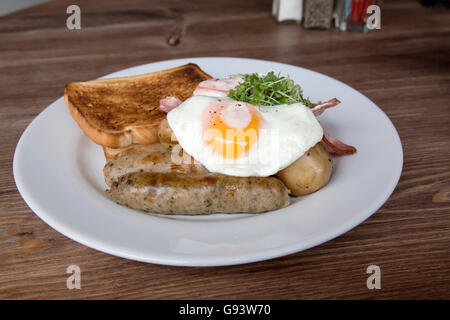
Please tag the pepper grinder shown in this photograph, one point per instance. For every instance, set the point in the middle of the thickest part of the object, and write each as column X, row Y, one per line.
column 318, row 14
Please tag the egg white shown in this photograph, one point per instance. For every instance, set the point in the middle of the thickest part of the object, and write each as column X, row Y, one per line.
column 287, row 133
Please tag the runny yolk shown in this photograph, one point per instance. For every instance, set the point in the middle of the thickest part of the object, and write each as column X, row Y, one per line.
column 231, row 127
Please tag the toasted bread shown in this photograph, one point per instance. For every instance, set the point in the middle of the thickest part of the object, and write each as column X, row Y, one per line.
column 120, row 112
column 111, row 153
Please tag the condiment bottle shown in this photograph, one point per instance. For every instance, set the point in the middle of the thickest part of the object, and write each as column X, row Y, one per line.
column 318, row 14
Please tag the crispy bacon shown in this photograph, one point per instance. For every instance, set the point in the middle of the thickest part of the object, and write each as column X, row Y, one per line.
column 169, row 103
column 336, row 147
column 223, row 85
column 209, row 92
column 319, row 108
column 217, row 87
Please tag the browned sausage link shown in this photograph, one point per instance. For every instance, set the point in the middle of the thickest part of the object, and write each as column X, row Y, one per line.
column 170, row 193
column 150, row 162
column 165, row 133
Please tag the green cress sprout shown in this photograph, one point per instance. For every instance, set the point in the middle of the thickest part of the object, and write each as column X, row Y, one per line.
column 268, row 90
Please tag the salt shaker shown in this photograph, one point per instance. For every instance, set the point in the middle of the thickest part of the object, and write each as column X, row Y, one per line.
column 288, row 10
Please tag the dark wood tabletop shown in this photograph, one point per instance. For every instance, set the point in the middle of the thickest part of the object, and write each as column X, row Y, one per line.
column 404, row 68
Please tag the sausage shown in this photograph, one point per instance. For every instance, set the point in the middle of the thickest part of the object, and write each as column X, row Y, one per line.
column 308, row 173
column 111, row 153
column 165, row 133
column 166, row 136
column 170, row 193
column 160, row 161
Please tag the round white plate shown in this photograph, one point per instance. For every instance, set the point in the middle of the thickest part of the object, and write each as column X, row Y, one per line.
column 58, row 172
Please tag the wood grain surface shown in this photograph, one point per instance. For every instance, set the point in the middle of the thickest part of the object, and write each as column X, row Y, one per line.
column 404, row 68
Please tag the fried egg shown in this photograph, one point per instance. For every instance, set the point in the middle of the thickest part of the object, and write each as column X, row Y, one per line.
column 236, row 138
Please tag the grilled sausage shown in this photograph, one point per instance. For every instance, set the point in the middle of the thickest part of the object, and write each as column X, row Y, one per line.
column 166, row 136
column 171, row 193
column 165, row 133
column 111, row 153
column 160, row 161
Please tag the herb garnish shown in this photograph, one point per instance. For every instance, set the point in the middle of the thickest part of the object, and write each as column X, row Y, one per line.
column 268, row 90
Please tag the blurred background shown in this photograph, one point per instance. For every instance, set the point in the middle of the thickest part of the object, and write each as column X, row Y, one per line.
column 8, row 6
column 315, row 14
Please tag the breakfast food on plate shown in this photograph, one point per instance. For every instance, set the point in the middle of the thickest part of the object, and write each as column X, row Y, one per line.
column 178, row 142
column 308, row 173
column 269, row 139
column 111, row 153
column 166, row 136
column 156, row 162
column 119, row 112
column 198, row 194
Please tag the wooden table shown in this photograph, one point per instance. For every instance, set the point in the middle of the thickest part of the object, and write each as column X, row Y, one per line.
column 404, row 68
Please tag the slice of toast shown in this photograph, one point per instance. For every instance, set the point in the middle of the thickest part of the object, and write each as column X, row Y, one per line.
column 120, row 112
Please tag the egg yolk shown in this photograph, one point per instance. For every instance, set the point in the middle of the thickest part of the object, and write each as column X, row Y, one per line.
column 231, row 127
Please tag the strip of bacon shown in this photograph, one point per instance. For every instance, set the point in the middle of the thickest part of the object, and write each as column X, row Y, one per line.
column 209, row 92
column 169, row 103
column 223, row 85
column 217, row 87
column 336, row 147
column 320, row 107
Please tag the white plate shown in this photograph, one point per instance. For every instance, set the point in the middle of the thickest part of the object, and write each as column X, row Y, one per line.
column 58, row 172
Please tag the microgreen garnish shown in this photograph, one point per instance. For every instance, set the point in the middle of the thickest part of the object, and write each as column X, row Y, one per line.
column 268, row 90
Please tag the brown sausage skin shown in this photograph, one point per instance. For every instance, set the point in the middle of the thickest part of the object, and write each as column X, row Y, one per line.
column 111, row 153
column 170, row 193
column 165, row 133
column 150, row 162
